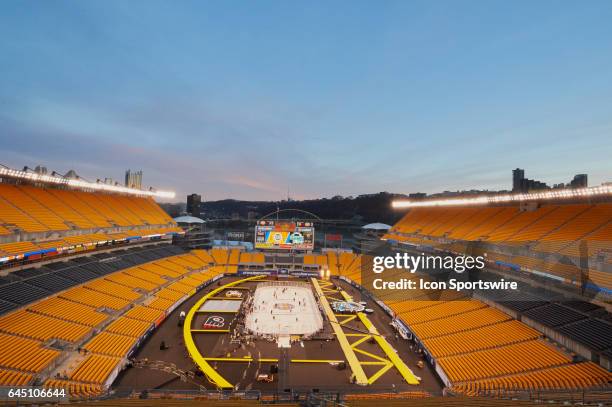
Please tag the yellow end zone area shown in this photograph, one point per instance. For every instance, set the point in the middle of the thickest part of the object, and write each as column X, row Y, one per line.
column 192, row 349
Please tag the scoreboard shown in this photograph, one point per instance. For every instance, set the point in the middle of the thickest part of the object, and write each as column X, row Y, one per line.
column 270, row 234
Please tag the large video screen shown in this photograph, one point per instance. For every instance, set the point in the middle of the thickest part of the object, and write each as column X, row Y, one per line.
column 270, row 234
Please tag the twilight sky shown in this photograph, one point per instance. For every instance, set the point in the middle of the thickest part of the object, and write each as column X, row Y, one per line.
column 243, row 99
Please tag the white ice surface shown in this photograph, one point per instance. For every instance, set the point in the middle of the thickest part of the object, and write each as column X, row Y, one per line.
column 284, row 310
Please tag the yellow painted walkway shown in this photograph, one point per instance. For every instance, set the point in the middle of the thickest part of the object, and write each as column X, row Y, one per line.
column 351, row 358
column 399, row 364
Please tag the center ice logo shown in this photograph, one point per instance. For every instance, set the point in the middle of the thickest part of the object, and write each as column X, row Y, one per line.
column 214, row 322
column 283, row 306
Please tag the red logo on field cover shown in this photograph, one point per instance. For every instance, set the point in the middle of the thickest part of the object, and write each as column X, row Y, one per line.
column 214, row 321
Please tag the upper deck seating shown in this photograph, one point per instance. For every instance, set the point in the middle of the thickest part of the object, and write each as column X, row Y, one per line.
column 44, row 221
column 546, row 239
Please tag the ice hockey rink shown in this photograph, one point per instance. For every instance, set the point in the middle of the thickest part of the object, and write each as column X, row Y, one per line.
column 280, row 309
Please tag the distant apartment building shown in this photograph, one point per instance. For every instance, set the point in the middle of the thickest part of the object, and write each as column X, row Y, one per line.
column 520, row 184
column 518, row 175
column 580, row 181
column 193, row 204
column 417, row 195
column 40, row 170
column 133, row 179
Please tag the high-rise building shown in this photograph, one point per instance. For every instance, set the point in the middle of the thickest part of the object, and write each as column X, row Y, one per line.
column 133, row 179
column 522, row 184
column 40, row 170
column 580, row 181
column 193, row 204
column 518, row 175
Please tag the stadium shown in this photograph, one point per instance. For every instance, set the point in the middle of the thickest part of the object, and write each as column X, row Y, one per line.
column 98, row 300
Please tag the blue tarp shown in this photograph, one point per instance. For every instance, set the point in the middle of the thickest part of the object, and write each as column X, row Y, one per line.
column 40, row 252
column 598, row 288
column 511, row 265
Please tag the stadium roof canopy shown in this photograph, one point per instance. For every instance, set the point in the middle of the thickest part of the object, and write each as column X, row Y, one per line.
column 377, row 226
column 188, row 219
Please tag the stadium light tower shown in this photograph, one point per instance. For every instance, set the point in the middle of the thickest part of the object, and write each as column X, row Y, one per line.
column 602, row 190
column 80, row 183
